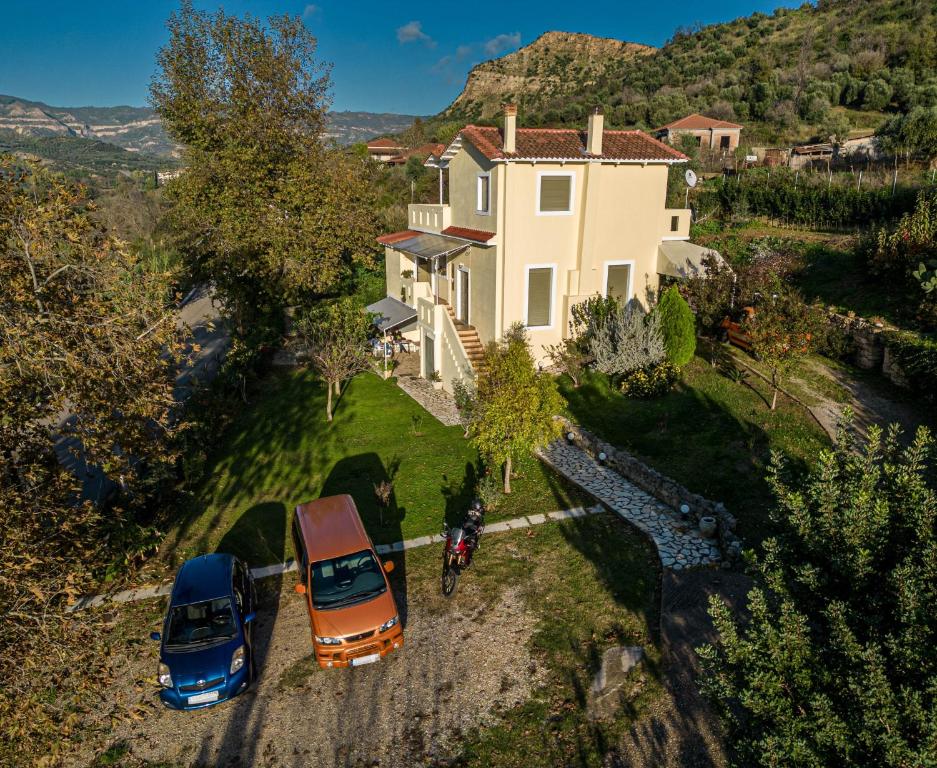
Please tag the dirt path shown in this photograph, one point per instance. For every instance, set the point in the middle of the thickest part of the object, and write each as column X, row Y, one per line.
column 871, row 403
column 683, row 731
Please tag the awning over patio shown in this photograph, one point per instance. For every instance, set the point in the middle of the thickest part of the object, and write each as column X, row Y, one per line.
column 392, row 314
column 682, row 259
column 428, row 246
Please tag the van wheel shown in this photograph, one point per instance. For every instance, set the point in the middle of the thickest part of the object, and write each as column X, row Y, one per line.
column 450, row 581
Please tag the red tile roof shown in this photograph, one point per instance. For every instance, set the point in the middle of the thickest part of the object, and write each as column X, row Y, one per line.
column 428, row 149
column 478, row 235
column 568, row 144
column 697, row 122
column 383, row 144
column 396, row 237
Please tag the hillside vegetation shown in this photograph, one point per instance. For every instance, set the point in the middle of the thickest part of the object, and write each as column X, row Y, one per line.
column 787, row 75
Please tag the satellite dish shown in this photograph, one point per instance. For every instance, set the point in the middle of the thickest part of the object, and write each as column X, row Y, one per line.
column 690, row 177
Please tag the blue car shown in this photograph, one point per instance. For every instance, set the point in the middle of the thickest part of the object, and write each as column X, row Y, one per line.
column 205, row 652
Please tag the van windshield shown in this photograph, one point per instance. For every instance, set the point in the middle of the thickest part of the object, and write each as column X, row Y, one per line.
column 347, row 579
column 201, row 623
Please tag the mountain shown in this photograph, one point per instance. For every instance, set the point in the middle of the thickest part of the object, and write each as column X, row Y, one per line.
column 554, row 67
column 786, row 75
column 138, row 129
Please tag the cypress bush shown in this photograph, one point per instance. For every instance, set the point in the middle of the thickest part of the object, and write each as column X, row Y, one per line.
column 678, row 326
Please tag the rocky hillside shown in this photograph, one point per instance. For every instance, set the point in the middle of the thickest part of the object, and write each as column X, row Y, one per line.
column 794, row 74
column 550, row 69
column 138, row 129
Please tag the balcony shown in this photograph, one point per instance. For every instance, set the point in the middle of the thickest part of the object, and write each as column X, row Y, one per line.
column 429, row 218
column 676, row 224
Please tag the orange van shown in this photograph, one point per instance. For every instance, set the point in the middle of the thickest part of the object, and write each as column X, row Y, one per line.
column 351, row 607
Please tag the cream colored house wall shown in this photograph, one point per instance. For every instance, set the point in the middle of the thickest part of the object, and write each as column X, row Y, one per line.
column 463, row 189
column 618, row 215
column 481, row 263
column 392, row 270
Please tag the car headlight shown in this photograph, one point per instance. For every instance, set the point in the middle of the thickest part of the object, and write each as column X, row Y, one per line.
column 237, row 659
column 164, row 676
column 389, row 623
column 328, row 640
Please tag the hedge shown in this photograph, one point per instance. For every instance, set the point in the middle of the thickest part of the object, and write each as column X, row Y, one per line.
column 916, row 355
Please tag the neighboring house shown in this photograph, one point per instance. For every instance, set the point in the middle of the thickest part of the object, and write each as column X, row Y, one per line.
column 718, row 135
column 859, row 146
column 386, row 151
column 808, row 155
column 538, row 220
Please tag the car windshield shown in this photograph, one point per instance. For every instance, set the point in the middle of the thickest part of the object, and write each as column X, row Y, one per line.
column 201, row 623
column 346, row 579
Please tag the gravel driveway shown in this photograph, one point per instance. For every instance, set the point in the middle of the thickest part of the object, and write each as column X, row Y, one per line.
column 462, row 661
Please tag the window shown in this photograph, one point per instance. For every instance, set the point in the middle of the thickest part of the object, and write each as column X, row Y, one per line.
column 723, row 142
column 483, row 197
column 555, row 193
column 539, row 296
column 346, row 580
column 674, row 223
column 618, row 280
column 699, row 141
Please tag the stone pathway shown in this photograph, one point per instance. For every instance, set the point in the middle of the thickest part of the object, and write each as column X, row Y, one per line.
column 277, row 569
column 437, row 402
column 679, row 544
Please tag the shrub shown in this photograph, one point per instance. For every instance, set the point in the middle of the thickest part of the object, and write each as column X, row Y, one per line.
column 650, row 382
column 678, row 326
column 489, row 492
column 628, row 340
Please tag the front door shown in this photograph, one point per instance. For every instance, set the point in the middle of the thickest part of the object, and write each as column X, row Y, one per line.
column 463, row 277
column 429, row 363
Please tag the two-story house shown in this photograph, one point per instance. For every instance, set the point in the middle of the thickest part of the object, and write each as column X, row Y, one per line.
column 537, row 221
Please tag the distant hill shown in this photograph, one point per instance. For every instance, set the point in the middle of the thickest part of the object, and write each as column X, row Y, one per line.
column 782, row 75
column 138, row 129
column 553, row 68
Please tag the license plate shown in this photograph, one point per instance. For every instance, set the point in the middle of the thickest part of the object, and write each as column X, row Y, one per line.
column 203, row 698
column 362, row 660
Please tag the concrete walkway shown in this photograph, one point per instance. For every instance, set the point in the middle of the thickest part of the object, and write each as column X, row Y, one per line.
column 263, row 572
column 679, row 544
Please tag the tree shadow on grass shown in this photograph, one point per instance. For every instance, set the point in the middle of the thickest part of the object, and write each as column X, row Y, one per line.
column 246, row 714
column 458, row 495
column 357, row 476
column 251, row 454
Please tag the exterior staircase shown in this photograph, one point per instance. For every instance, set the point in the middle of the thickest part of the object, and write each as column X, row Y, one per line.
column 471, row 344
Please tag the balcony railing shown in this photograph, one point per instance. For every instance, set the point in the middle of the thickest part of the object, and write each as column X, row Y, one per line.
column 432, row 218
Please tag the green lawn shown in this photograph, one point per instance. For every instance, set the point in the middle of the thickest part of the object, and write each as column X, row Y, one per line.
column 711, row 434
column 283, row 452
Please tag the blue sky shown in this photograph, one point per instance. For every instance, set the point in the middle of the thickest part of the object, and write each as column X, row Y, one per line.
column 387, row 56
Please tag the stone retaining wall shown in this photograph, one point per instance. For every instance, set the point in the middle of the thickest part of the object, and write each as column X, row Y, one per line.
column 659, row 486
column 871, row 353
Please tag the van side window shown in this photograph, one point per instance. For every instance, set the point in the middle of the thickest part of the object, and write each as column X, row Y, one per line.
column 302, row 561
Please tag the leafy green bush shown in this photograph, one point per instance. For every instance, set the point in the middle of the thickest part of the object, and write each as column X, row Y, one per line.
column 678, row 326
column 489, row 492
column 650, row 382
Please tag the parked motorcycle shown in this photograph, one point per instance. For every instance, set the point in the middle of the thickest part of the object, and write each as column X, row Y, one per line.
column 461, row 543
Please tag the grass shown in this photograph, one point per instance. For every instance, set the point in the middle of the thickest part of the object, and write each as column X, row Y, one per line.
column 593, row 584
column 711, row 434
column 283, row 452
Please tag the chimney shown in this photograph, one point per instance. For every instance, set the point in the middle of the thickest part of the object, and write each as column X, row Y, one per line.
column 594, row 134
column 510, row 128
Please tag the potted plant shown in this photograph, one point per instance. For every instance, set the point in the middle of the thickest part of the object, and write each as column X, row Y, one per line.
column 436, row 379
column 387, row 370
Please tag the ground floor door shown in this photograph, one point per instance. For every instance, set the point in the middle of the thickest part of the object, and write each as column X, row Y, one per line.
column 463, row 295
column 429, row 361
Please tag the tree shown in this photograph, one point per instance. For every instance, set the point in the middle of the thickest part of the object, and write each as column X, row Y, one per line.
column 515, row 403
column 568, row 357
column 710, row 292
column 264, row 209
column 837, row 664
column 678, row 326
column 334, row 338
column 782, row 329
column 912, row 133
column 834, row 127
column 86, row 352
